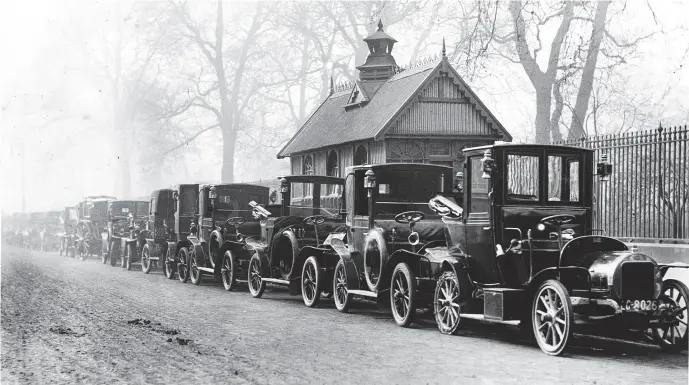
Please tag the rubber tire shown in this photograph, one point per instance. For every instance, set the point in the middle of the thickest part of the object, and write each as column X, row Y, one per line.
column 169, row 266
column 403, row 268
column 146, row 266
column 258, row 291
column 383, row 249
column 447, row 275
column 312, row 261
column 183, row 275
column 199, row 273
column 113, row 260
column 682, row 345
column 341, row 307
column 564, row 295
column 229, row 279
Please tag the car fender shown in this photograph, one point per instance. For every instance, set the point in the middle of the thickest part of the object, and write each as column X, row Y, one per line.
column 237, row 248
column 172, row 247
column 153, row 250
column 457, row 264
column 542, row 276
column 304, row 253
column 398, row 256
column 265, row 263
column 353, row 282
column 180, row 244
column 217, row 235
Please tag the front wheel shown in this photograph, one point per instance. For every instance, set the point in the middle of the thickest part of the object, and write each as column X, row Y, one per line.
column 672, row 335
column 311, row 282
column 446, row 303
column 169, row 264
column 194, row 272
column 228, row 271
column 403, row 294
column 183, row 265
column 146, row 260
column 552, row 317
column 256, row 284
column 343, row 299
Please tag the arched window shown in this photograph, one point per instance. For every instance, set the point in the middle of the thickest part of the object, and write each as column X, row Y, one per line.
column 332, row 168
column 360, row 155
column 307, row 166
column 307, row 169
column 406, row 151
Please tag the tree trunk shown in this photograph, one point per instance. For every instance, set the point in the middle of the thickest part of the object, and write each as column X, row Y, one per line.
column 543, row 100
column 229, row 140
column 577, row 129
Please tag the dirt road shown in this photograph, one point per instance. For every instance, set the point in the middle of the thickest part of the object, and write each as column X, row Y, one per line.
column 67, row 321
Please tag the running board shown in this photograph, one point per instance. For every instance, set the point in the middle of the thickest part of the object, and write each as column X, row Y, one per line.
column 481, row 317
column 206, row 269
column 363, row 293
column 276, row 281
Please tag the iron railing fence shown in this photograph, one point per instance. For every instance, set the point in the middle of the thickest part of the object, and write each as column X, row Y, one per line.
column 647, row 196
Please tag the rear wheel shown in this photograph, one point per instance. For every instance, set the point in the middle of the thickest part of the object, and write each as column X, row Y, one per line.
column 311, row 282
column 256, row 285
column 183, row 265
column 146, row 260
column 403, row 294
column 169, row 264
column 672, row 336
column 228, row 271
column 446, row 303
column 552, row 317
column 343, row 299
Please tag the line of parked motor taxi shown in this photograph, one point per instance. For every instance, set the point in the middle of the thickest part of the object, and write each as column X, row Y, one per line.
column 494, row 244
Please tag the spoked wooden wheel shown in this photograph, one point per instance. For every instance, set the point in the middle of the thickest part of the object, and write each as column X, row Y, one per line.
column 146, row 260
column 169, row 264
column 183, row 265
column 228, row 271
column 310, row 282
column 256, row 285
column 671, row 336
column 552, row 317
column 402, row 294
column 446, row 303
column 343, row 299
column 194, row 272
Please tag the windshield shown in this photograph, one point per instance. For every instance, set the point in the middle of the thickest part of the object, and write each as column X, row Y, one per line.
column 302, row 202
column 525, row 178
column 141, row 209
column 408, row 190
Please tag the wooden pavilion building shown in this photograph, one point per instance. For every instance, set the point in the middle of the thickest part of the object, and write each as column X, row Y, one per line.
column 425, row 114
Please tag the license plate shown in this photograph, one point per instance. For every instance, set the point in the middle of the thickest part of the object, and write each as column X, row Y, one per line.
column 641, row 305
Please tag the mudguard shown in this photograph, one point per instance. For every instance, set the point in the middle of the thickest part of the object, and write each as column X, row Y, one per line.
column 237, row 248
column 265, row 263
column 664, row 267
column 152, row 249
column 457, row 264
column 340, row 248
column 304, row 253
column 173, row 248
column 217, row 235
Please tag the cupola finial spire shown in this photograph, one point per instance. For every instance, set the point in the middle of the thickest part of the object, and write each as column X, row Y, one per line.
column 380, row 24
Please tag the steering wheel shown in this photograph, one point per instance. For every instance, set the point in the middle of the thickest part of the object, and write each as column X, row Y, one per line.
column 314, row 220
column 235, row 221
column 558, row 220
column 409, row 216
